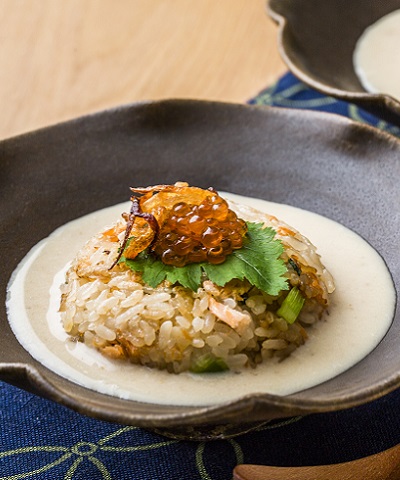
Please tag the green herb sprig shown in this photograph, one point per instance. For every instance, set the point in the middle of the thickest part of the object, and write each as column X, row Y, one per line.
column 258, row 261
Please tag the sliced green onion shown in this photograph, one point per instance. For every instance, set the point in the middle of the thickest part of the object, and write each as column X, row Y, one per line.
column 291, row 306
column 208, row 364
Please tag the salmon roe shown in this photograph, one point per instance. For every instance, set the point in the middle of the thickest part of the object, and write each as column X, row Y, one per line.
column 206, row 232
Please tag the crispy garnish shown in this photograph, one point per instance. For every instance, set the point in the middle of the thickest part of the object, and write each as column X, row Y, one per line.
column 187, row 225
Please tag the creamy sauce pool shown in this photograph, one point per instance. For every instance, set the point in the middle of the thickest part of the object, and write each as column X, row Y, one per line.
column 360, row 314
column 377, row 56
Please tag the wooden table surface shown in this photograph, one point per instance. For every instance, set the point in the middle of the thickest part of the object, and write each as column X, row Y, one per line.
column 63, row 58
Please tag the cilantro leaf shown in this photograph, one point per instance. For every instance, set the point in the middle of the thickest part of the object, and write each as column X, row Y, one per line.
column 258, row 261
column 188, row 276
column 154, row 271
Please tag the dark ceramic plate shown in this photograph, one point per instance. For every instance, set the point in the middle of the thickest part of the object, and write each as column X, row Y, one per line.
column 317, row 40
column 319, row 162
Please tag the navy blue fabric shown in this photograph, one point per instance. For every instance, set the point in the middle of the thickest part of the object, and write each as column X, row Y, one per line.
column 42, row 440
column 289, row 92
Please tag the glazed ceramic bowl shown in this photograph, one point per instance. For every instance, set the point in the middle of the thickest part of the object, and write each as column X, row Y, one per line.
column 60, row 173
column 317, row 40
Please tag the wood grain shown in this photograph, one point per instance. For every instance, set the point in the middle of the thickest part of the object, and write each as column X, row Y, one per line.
column 63, row 58
column 381, row 466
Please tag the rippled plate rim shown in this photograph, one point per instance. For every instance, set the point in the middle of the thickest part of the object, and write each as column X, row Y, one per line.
column 28, row 374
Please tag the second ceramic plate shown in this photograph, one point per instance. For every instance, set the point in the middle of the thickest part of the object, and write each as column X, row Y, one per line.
column 317, row 40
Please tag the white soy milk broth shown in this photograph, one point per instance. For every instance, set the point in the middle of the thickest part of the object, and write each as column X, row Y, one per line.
column 360, row 314
column 377, row 56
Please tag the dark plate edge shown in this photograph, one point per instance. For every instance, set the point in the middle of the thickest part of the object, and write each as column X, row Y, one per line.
column 27, row 376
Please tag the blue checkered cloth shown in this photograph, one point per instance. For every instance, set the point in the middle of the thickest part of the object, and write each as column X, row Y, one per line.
column 41, row 440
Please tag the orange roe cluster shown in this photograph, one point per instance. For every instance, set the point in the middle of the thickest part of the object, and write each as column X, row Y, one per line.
column 181, row 225
column 207, row 232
